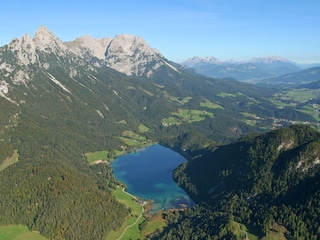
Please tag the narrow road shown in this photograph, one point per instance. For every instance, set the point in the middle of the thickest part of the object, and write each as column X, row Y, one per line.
column 247, row 238
column 123, row 190
column 142, row 210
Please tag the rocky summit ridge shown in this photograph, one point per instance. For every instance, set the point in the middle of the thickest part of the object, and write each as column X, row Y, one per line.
column 89, row 45
column 132, row 55
column 125, row 53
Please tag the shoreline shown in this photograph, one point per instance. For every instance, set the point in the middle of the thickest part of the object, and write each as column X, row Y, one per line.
column 146, row 204
column 184, row 154
column 145, row 207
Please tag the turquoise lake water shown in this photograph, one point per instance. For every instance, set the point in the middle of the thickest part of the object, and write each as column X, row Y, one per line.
column 148, row 174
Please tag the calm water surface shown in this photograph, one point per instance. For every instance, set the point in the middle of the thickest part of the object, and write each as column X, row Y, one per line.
column 148, row 174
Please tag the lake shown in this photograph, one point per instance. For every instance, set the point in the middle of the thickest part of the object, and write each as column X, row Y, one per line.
column 148, row 174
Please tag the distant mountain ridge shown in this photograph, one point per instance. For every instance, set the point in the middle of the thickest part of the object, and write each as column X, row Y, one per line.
column 194, row 61
column 252, row 70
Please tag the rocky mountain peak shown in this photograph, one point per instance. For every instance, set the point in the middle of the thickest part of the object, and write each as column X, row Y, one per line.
column 131, row 54
column 43, row 32
column 45, row 40
column 24, row 50
column 125, row 53
column 89, row 45
column 127, row 44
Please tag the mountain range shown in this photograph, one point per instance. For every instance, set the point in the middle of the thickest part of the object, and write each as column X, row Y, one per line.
column 255, row 70
column 83, row 75
column 61, row 100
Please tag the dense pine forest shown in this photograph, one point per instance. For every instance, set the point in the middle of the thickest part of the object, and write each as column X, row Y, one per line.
column 262, row 181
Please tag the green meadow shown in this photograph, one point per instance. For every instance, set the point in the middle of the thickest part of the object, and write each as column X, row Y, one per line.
column 19, row 232
column 154, row 224
column 241, row 231
column 302, row 95
column 143, row 128
column 9, row 161
column 223, row 94
column 133, row 232
column 132, row 139
column 293, row 97
column 99, row 155
column 277, row 232
column 186, row 116
column 210, row 105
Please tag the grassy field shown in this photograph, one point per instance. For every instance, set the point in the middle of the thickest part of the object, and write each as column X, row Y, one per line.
column 247, row 114
column 18, row 232
column 250, row 118
column 128, row 200
column 302, row 95
column 143, row 128
column 134, row 231
column 132, row 139
column 103, row 155
column 99, row 155
column 295, row 96
column 249, row 231
column 130, row 142
column 240, row 230
column 186, row 116
column 223, row 94
column 122, row 122
column 210, row 105
column 9, row 161
column 276, row 233
column 156, row 223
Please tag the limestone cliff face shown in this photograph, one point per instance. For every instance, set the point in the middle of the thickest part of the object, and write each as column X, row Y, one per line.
column 125, row 53
column 25, row 49
column 132, row 55
column 24, row 58
column 89, row 46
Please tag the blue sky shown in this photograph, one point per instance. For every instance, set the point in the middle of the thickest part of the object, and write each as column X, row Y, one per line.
column 179, row 29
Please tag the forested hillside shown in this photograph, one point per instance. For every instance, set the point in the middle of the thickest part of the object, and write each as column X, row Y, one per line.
column 58, row 103
column 261, row 181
